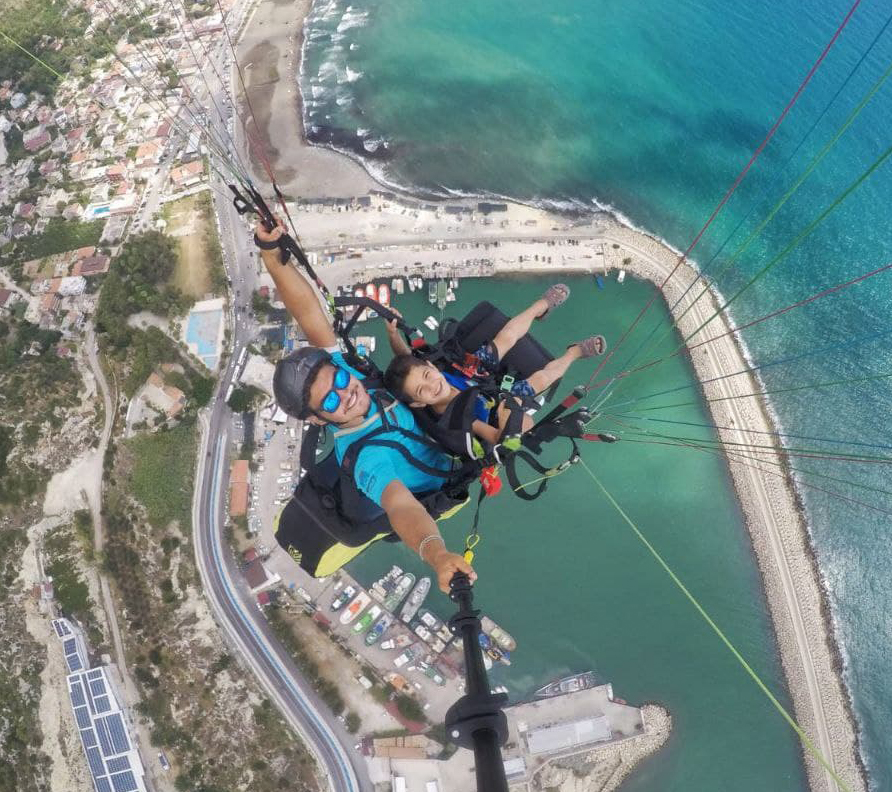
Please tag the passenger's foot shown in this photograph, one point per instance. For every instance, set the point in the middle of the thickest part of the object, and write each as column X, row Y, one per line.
column 554, row 296
column 590, row 347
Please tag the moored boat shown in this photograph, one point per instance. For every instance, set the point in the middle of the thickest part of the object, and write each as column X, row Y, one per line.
column 413, row 603
column 384, row 294
column 368, row 617
column 400, row 590
column 353, row 609
column 570, row 684
column 378, row 629
column 500, row 637
column 343, row 598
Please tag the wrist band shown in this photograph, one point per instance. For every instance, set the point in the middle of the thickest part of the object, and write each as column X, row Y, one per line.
column 265, row 245
column 425, row 541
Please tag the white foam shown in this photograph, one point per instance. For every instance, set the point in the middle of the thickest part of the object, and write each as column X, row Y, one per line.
column 349, row 76
column 373, row 144
column 362, row 132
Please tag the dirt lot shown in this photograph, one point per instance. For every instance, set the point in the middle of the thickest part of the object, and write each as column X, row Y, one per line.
column 186, row 222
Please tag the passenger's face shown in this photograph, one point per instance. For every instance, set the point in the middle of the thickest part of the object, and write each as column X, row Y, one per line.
column 354, row 404
column 425, row 386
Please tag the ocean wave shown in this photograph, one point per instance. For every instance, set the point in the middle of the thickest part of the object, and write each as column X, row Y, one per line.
column 317, row 90
column 343, row 100
column 362, row 132
column 327, row 70
column 349, row 76
column 352, row 19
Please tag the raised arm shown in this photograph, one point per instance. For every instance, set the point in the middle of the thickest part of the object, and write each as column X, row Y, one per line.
column 298, row 294
column 415, row 526
column 397, row 342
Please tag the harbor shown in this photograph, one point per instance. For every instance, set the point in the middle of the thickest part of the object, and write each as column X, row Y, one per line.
column 393, row 640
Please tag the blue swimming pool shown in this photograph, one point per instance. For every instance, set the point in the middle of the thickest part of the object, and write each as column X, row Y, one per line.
column 202, row 334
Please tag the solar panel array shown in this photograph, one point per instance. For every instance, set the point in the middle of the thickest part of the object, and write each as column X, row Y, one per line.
column 104, row 735
column 72, row 655
column 61, row 627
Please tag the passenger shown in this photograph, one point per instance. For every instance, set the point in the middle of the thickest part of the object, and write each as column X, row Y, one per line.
column 421, row 384
column 317, row 385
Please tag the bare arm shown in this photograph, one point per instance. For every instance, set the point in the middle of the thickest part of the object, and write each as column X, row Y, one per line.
column 297, row 293
column 489, row 434
column 397, row 342
column 413, row 525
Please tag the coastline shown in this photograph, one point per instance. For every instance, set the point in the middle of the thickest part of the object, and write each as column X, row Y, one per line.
column 798, row 601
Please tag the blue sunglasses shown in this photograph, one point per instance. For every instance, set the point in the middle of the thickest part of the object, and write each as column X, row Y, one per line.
column 332, row 399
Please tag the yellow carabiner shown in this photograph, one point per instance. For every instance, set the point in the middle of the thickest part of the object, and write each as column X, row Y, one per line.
column 470, row 543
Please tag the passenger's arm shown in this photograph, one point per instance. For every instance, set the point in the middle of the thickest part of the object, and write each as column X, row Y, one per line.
column 397, row 342
column 297, row 293
column 484, row 431
column 413, row 524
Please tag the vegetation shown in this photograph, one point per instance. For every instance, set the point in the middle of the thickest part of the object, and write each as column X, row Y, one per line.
column 34, row 382
column 138, row 282
column 60, row 235
column 161, row 477
column 212, row 242
column 409, row 708
column 353, row 722
column 64, row 550
column 24, row 766
column 244, row 399
column 327, row 689
column 37, row 26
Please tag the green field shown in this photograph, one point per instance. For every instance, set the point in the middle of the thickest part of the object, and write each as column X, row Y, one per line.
column 162, row 473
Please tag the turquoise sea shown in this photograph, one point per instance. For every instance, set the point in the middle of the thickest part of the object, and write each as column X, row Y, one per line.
column 652, row 108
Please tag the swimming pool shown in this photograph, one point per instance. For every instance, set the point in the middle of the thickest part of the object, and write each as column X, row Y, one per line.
column 203, row 335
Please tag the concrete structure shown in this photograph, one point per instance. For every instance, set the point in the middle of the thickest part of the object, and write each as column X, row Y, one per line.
column 568, row 736
column 238, row 488
column 164, row 398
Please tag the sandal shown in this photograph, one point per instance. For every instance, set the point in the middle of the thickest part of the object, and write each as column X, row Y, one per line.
column 554, row 295
column 592, row 346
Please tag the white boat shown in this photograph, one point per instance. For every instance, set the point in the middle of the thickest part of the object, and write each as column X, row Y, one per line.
column 416, row 598
column 621, row 277
column 355, row 607
column 431, row 323
column 450, row 296
column 397, row 285
column 411, row 284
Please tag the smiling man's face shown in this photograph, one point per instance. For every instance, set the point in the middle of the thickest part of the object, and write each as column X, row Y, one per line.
column 354, row 404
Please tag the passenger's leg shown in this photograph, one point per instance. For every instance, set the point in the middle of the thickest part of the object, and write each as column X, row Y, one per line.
column 546, row 377
column 518, row 326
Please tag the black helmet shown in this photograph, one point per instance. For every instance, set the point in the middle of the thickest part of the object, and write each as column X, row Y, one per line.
column 294, row 376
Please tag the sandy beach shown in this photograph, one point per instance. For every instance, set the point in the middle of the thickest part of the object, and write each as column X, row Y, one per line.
column 401, row 232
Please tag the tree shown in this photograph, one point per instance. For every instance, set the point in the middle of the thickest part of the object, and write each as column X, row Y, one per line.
column 242, row 399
